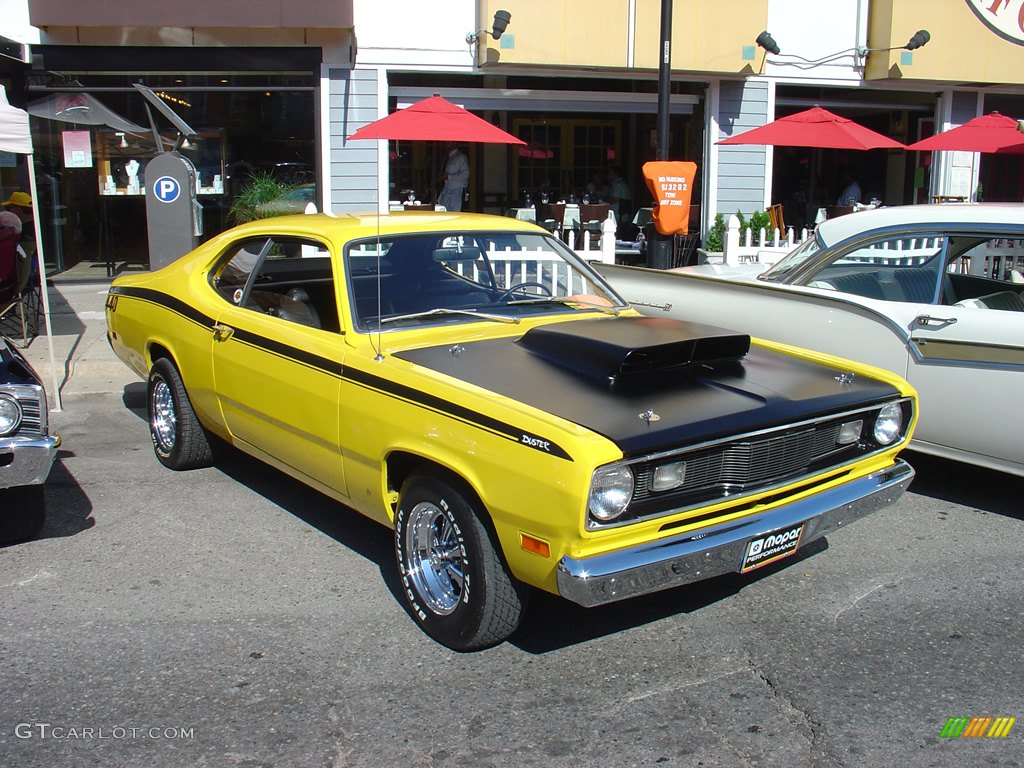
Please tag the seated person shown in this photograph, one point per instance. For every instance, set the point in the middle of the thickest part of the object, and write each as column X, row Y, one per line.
column 10, row 234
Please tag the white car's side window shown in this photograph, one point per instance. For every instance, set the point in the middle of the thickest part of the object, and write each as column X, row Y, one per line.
column 891, row 269
column 983, row 273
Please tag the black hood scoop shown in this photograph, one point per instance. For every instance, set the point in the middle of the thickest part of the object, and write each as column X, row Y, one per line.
column 633, row 351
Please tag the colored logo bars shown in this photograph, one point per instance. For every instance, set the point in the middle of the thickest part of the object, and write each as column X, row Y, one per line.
column 977, row 727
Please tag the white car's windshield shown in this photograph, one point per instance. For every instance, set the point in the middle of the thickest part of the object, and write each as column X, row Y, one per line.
column 799, row 255
column 434, row 277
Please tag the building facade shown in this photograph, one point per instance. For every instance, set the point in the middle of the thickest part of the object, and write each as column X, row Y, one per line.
column 277, row 86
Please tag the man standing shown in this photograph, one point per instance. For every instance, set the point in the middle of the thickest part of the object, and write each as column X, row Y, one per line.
column 619, row 195
column 456, row 178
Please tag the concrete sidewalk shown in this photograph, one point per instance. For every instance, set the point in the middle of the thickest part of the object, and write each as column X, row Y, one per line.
column 84, row 361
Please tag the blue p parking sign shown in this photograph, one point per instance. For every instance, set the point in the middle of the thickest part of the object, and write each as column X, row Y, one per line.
column 166, row 189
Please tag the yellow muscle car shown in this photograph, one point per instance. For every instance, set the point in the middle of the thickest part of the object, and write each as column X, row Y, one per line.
column 471, row 382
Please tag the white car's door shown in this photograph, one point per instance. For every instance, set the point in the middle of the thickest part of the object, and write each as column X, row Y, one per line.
column 968, row 365
column 964, row 361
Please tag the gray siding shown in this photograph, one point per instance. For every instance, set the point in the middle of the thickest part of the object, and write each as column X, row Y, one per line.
column 352, row 166
column 741, row 169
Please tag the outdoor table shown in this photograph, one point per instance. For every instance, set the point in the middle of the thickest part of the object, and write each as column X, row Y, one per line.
column 523, row 214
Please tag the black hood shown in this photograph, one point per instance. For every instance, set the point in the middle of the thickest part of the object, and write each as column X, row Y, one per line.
column 13, row 368
column 650, row 384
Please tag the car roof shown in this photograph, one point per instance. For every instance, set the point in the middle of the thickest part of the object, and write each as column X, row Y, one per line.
column 347, row 226
column 840, row 228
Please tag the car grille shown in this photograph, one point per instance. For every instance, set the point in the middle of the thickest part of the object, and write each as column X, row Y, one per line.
column 31, row 417
column 744, row 463
column 740, row 466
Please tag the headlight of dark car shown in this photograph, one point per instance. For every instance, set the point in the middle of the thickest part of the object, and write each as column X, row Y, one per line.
column 10, row 414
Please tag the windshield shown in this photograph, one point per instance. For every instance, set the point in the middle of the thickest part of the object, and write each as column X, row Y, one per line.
column 799, row 255
column 430, row 278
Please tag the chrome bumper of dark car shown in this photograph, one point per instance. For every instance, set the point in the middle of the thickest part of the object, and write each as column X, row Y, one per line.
column 26, row 462
column 705, row 553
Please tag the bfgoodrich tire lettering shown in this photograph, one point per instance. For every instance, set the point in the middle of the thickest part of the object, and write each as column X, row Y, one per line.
column 179, row 440
column 454, row 579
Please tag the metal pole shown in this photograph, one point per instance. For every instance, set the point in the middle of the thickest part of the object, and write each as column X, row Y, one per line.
column 661, row 250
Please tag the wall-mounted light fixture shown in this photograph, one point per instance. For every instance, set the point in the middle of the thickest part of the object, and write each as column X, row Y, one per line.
column 766, row 41
column 501, row 20
column 859, row 54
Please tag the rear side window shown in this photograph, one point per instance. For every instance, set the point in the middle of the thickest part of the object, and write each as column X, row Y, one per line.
column 285, row 277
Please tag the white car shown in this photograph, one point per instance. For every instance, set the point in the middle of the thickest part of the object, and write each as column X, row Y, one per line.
column 932, row 292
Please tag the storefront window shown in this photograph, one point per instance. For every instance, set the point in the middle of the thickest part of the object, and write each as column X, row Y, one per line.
column 94, row 136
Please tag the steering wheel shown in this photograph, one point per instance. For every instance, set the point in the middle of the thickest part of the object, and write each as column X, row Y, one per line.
column 520, row 286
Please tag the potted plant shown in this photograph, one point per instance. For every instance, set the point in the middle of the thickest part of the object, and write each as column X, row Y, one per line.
column 252, row 202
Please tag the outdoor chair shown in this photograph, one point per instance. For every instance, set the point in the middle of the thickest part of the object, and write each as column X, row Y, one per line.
column 592, row 217
column 552, row 217
column 22, row 310
column 684, row 249
column 832, row 211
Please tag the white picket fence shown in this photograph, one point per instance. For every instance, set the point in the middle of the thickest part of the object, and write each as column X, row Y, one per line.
column 998, row 258
column 520, row 266
column 767, row 248
column 1001, row 258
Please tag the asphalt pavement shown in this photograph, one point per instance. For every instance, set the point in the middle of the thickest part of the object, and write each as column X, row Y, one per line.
column 232, row 617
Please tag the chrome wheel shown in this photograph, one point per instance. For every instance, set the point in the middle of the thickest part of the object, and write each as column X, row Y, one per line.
column 164, row 418
column 454, row 580
column 179, row 439
column 436, row 558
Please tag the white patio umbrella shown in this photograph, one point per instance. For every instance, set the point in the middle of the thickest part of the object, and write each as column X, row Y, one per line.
column 15, row 136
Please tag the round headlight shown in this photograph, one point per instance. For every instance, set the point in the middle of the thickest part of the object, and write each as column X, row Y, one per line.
column 611, row 488
column 10, row 414
column 889, row 423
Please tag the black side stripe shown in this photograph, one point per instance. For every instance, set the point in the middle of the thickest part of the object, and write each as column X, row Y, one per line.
column 171, row 303
column 457, row 411
column 355, row 376
column 289, row 352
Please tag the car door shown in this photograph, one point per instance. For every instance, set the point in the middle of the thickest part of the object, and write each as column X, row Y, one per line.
column 277, row 354
column 967, row 362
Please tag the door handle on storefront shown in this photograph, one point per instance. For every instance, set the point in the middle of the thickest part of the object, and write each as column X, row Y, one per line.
column 222, row 332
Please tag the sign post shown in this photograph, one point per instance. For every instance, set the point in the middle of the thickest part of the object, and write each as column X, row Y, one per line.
column 671, row 185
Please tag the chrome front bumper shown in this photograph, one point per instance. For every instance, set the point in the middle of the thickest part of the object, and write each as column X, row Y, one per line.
column 708, row 552
column 26, row 462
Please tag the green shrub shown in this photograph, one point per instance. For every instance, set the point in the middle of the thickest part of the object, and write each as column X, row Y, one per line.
column 715, row 241
column 262, row 188
column 758, row 220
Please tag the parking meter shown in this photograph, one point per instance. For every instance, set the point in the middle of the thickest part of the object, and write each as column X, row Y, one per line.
column 173, row 212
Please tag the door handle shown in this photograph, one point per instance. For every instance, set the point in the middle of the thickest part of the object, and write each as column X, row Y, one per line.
column 929, row 320
column 222, row 332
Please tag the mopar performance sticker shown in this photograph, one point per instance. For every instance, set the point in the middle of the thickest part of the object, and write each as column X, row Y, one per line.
column 771, row 547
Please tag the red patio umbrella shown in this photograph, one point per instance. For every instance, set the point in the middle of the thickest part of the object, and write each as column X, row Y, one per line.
column 435, row 119
column 988, row 133
column 815, row 127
